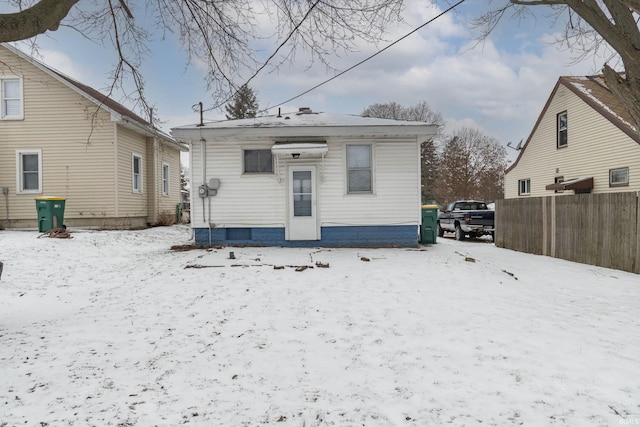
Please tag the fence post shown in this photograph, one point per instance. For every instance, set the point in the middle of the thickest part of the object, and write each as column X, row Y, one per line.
column 636, row 249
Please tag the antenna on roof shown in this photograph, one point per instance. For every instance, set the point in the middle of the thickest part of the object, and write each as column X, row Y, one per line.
column 517, row 147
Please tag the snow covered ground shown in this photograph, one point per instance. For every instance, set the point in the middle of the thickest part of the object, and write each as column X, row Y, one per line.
column 114, row 328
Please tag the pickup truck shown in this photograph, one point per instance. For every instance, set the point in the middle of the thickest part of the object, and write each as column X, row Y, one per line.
column 466, row 218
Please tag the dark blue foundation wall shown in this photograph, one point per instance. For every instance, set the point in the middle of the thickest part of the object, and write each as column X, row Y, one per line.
column 353, row 236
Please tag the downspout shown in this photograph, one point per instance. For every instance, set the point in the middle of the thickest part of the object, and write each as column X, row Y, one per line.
column 203, row 156
column 5, row 191
column 116, row 170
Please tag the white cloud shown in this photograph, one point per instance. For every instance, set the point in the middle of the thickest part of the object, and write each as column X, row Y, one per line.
column 499, row 86
column 62, row 62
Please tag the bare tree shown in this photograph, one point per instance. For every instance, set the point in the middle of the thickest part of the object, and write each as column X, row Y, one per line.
column 473, row 165
column 220, row 34
column 420, row 112
column 590, row 24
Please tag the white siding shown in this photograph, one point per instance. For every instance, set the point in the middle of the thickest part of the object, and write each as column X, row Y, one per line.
column 243, row 200
column 260, row 200
column 594, row 147
column 395, row 199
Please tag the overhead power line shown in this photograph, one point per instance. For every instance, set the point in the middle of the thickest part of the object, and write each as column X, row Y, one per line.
column 370, row 57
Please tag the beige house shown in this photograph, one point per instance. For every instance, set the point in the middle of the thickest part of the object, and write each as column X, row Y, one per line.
column 60, row 138
column 583, row 142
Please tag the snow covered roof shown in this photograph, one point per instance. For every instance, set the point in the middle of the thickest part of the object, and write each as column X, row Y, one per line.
column 594, row 91
column 303, row 119
column 307, row 123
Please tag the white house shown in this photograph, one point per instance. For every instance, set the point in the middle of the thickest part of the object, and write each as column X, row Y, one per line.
column 306, row 179
column 584, row 141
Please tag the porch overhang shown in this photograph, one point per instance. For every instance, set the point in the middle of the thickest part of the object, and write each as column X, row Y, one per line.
column 300, row 149
column 579, row 185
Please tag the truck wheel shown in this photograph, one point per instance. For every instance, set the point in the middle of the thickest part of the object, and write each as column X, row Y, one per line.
column 440, row 231
column 459, row 233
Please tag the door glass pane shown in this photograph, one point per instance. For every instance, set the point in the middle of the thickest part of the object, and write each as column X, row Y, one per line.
column 302, row 193
column 302, row 205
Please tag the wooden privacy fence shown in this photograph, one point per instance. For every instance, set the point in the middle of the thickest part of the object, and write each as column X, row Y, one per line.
column 596, row 229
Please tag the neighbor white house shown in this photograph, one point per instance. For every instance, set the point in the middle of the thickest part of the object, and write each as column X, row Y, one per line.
column 583, row 141
column 306, row 179
column 61, row 138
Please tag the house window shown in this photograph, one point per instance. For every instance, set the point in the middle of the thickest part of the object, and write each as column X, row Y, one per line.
column 359, row 176
column 562, row 129
column 619, row 177
column 165, row 179
column 11, row 98
column 29, row 169
column 258, row 161
column 136, row 172
column 524, row 187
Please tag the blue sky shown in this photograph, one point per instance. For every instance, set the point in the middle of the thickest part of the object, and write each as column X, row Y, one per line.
column 498, row 86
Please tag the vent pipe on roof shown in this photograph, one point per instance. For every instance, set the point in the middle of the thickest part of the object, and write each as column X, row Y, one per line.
column 279, row 115
column 201, row 119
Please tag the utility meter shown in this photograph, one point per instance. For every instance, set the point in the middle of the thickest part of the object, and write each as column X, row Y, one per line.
column 203, row 191
column 214, row 184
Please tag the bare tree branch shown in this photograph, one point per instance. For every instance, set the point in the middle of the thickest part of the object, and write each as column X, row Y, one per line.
column 591, row 25
column 41, row 17
column 221, row 35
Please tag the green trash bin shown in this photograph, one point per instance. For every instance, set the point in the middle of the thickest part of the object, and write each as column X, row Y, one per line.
column 429, row 226
column 50, row 213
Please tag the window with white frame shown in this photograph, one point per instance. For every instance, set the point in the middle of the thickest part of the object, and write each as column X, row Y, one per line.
column 29, row 171
column 524, row 187
column 136, row 172
column 562, row 130
column 359, row 171
column 619, row 177
column 165, row 179
column 258, row 161
column 11, row 98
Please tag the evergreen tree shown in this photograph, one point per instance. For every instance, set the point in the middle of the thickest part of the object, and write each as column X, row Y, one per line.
column 243, row 105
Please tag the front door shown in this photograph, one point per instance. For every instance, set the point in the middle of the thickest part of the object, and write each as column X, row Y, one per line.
column 303, row 220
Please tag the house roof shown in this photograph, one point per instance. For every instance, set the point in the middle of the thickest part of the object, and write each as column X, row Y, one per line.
column 97, row 97
column 594, row 92
column 307, row 123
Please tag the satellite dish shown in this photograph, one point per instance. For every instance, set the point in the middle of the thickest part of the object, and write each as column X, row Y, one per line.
column 517, row 147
